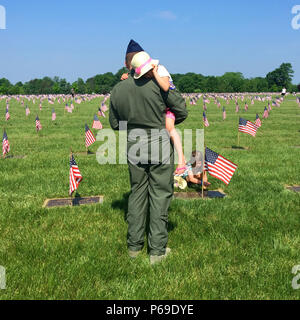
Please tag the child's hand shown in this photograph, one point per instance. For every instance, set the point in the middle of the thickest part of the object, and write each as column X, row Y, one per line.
column 124, row 76
column 155, row 69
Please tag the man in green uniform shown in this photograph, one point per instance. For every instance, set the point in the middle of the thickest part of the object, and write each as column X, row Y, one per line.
column 142, row 104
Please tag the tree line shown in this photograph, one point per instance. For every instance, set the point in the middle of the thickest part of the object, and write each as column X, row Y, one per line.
column 186, row 83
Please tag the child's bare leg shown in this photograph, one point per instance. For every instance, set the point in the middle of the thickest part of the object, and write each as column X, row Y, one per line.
column 170, row 126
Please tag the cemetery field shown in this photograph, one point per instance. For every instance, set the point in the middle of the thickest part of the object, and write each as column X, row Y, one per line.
column 241, row 247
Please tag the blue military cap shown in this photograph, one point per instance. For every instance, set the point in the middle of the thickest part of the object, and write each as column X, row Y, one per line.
column 133, row 47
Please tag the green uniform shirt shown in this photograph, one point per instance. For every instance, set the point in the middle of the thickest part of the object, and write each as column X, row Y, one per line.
column 142, row 103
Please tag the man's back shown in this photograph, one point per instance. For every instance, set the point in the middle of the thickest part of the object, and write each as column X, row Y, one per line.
column 142, row 104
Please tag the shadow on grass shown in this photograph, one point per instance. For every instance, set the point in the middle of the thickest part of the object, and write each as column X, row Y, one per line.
column 122, row 204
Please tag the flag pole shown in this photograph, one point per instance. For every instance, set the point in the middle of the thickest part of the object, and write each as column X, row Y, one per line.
column 2, row 144
column 238, row 141
column 203, row 168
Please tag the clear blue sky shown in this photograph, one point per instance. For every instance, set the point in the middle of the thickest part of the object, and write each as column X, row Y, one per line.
column 74, row 39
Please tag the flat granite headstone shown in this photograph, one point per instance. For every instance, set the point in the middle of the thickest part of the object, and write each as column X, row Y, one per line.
column 84, row 153
column 52, row 203
column 240, row 148
column 198, row 195
column 294, row 188
column 13, row 157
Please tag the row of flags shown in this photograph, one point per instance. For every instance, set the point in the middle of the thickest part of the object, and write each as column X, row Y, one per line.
column 257, row 122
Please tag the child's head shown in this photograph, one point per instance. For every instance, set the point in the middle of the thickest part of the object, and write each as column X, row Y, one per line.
column 197, row 161
column 142, row 64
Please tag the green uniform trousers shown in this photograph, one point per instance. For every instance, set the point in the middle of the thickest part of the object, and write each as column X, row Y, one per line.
column 151, row 193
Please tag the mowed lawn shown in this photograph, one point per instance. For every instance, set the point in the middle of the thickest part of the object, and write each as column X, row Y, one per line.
column 241, row 247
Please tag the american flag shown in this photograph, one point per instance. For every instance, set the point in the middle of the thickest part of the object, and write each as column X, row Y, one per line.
column 5, row 144
column 247, row 127
column 278, row 101
column 269, row 107
column 89, row 137
column 75, row 176
column 27, row 111
column 205, row 121
column 40, row 107
column 104, row 107
column 266, row 113
column 69, row 109
column 96, row 123
column 38, row 124
column 218, row 166
column 224, row 113
column 7, row 116
column 53, row 115
column 204, row 107
column 101, row 113
column 50, row 101
column 257, row 121
column 274, row 104
column 237, row 108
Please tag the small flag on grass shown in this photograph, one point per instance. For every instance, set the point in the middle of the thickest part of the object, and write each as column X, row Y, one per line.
column 104, row 107
column 5, row 144
column 101, row 113
column 53, row 115
column 247, row 126
column 96, row 123
column 27, row 111
column 75, row 175
column 218, row 166
column 266, row 113
column 89, row 137
column 7, row 115
column 38, row 124
column 224, row 113
column 205, row 121
column 258, row 121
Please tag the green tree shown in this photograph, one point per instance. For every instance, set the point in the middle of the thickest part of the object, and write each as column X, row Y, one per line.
column 281, row 77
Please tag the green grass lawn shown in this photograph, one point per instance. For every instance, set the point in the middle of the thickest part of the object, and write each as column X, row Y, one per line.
column 241, row 247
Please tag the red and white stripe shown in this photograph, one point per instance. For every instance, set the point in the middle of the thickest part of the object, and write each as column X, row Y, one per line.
column 250, row 128
column 89, row 138
column 222, row 169
column 75, row 178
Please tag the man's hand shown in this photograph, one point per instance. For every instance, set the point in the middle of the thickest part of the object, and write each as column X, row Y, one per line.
column 124, row 76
